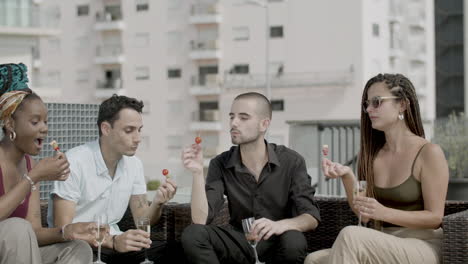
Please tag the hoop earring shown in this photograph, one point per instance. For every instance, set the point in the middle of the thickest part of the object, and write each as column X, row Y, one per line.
column 401, row 116
column 12, row 136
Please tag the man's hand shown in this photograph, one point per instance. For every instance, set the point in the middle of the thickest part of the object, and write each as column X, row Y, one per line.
column 165, row 192
column 192, row 158
column 265, row 228
column 132, row 240
column 82, row 231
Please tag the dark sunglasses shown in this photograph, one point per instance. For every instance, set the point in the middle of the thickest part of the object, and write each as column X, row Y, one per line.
column 376, row 101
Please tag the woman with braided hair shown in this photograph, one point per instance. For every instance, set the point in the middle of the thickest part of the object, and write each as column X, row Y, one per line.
column 23, row 117
column 407, row 179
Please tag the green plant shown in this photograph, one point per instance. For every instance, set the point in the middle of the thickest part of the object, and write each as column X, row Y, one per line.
column 452, row 136
column 153, row 185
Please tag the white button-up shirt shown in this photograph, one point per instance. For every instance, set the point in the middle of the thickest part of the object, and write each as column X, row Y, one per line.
column 93, row 190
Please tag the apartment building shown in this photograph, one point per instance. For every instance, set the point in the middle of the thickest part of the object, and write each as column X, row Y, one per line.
column 188, row 59
column 23, row 23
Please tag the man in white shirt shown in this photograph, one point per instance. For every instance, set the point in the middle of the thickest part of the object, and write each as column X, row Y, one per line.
column 106, row 178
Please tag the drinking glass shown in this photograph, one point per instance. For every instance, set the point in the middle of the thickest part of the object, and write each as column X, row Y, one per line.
column 143, row 223
column 101, row 231
column 360, row 190
column 251, row 238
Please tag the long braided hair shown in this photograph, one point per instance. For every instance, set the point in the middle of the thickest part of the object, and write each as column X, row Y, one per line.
column 373, row 140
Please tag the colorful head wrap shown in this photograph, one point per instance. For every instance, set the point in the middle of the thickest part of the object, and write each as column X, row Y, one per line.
column 9, row 102
column 13, row 79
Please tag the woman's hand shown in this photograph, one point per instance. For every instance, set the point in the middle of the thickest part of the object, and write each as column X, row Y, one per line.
column 370, row 208
column 54, row 168
column 333, row 169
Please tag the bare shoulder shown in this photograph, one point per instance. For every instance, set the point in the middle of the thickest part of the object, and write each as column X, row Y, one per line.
column 432, row 153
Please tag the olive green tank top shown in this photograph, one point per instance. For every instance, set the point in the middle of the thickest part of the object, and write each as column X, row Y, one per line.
column 406, row 196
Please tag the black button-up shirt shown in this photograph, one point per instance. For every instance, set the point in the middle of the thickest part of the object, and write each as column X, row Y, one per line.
column 283, row 190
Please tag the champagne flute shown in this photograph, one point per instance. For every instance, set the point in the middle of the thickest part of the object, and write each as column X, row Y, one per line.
column 101, row 231
column 143, row 223
column 251, row 238
column 360, row 190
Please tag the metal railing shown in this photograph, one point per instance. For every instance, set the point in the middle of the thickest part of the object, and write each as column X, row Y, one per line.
column 208, row 80
column 342, row 137
column 109, row 50
column 104, row 16
column 204, row 9
column 109, row 84
column 27, row 17
column 208, row 115
column 204, row 45
column 280, row 80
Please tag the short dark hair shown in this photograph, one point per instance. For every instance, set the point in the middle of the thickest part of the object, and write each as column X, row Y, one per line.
column 265, row 107
column 110, row 108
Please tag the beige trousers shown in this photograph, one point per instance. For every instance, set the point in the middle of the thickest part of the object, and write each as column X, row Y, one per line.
column 362, row 245
column 18, row 244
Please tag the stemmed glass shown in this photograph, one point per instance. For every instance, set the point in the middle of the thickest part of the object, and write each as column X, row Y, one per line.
column 101, row 231
column 143, row 223
column 251, row 238
column 360, row 190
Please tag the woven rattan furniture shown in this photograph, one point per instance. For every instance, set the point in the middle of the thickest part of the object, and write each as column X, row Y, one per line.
column 336, row 214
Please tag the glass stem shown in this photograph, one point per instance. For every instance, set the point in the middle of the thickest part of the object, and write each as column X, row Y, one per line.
column 99, row 252
column 146, row 254
column 256, row 255
column 359, row 223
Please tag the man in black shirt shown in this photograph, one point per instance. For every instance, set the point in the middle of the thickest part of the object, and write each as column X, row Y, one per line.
column 260, row 180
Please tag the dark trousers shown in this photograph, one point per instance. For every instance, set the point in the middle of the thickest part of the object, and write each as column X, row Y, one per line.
column 212, row 244
column 160, row 252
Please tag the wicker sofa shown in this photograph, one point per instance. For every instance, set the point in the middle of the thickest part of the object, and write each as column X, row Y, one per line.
column 335, row 214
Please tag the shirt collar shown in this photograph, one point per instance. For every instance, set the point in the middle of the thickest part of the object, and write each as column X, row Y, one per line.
column 101, row 167
column 235, row 158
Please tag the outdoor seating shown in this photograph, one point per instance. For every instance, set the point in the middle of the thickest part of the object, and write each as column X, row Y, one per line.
column 335, row 213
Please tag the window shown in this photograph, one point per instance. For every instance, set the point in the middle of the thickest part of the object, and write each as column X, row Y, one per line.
column 276, row 32
column 240, row 69
column 142, row 73
column 277, row 105
column 375, row 30
column 82, row 10
column 240, row 33
column 142, row 5
column 174, row 73
column 142, row 40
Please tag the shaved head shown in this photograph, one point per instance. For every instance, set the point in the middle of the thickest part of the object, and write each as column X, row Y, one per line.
column 263, row 108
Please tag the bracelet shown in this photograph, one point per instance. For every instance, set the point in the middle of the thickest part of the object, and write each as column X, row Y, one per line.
column 113, row 242
column 33, row 186
column 63, row 232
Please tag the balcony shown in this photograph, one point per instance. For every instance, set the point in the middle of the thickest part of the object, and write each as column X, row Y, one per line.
column 105, row 89
column 205, row 85
column 28, row 21
column 206, row 120
column 286, row 80
column 107, row 21
column 207, row 13
column 205, row 50
column 109, row 54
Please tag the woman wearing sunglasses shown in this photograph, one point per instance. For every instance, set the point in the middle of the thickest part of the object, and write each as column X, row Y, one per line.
column 407, row 179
